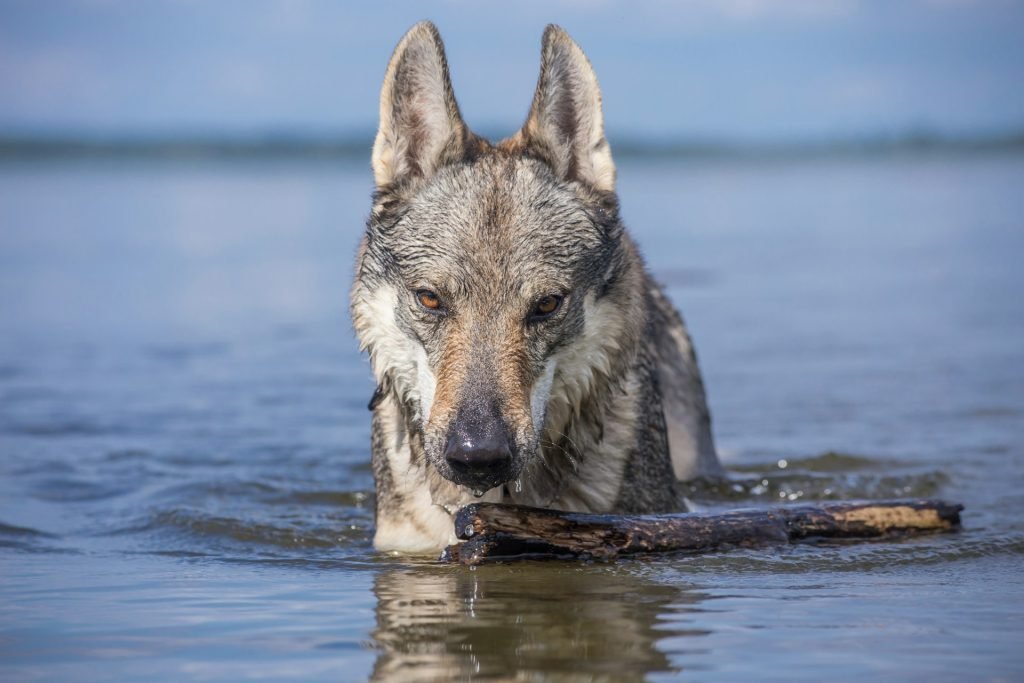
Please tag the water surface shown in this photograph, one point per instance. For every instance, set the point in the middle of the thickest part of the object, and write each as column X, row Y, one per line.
column 184, row 482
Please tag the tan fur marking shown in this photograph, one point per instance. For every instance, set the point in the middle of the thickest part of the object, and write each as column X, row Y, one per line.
column 514, row 380
column 451, row 376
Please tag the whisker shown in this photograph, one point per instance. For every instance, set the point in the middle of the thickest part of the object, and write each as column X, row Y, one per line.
column 565, row 452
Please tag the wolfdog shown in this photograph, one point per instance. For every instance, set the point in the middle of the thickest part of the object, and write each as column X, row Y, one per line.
column 522, row 352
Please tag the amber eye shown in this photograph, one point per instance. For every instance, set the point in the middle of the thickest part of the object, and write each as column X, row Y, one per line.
column 428, row 300
column 545, row 307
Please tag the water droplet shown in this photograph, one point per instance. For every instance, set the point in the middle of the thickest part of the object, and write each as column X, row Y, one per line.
column 517, row 486
column 468, row 531
column 479, row 493
column 783, row 464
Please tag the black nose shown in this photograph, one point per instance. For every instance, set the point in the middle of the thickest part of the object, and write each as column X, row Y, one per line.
column 488, row 453
column 480, row 461
column 478, row 451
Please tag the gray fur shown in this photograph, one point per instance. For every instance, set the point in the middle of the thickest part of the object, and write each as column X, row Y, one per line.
column 610, row 378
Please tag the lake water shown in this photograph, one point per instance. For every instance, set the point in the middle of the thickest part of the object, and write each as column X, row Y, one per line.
column 184, row 483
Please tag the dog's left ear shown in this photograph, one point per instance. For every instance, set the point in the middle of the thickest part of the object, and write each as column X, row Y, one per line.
column 565, row 125
column 420, row 125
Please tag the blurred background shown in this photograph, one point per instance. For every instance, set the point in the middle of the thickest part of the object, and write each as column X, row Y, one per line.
column 726, row 71
column 830, row 190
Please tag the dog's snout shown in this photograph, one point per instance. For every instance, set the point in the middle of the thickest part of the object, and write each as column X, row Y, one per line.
column 479, row 451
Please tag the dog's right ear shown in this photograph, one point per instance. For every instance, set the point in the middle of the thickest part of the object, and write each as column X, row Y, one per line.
column 420, row 125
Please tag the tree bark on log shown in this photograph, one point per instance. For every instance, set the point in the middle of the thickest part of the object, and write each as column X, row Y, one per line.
column 493, row 532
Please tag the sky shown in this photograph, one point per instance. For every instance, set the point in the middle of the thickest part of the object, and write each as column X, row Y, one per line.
column 757, row 70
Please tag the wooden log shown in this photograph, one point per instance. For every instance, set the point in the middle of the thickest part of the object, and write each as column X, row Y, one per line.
column 492, row 532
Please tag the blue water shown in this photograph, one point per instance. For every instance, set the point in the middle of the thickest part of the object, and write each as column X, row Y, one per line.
column 184, row 482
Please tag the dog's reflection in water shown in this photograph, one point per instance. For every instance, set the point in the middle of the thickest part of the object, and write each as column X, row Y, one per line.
column 530, row 621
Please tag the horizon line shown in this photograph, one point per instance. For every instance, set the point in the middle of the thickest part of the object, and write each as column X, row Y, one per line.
column 356, row 144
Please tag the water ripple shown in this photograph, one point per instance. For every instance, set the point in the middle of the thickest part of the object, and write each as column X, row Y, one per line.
column 206, row 531
column 829, row 476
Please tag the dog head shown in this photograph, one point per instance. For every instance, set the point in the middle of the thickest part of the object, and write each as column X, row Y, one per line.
column 488, row 273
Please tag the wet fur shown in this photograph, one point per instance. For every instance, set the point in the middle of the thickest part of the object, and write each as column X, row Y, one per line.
column 604, row 403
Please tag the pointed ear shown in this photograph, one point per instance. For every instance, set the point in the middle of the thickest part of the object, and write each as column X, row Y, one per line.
column 565, row 125
column 420, row 125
